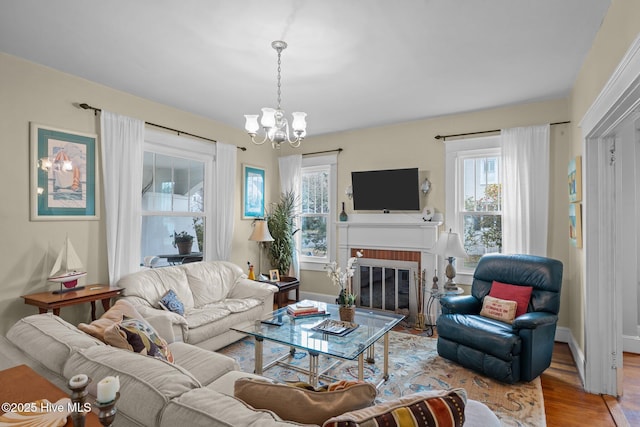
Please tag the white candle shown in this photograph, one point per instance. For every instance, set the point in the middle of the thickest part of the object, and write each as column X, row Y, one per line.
column 107, row 389
column 79, row 380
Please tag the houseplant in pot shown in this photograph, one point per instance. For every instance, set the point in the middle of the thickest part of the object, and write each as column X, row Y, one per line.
column 343, row 280
column 183, row 241
column 280, row 221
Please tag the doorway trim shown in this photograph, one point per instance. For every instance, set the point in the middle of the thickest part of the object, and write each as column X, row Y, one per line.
column 603, row 304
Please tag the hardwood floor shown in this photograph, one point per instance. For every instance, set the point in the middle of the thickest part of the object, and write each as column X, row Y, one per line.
column 567, row 404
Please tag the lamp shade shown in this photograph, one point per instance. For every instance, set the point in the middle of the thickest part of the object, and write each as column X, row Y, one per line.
column 251, row 123
column 299, row 122
column 261, row 232
column 449, row 245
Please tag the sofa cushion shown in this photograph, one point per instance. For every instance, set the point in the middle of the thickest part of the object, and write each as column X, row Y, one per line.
column 138, row 336
column 49, row 339
column 221, row 324
column 206, row 366
column 171, row 302
column 146, row 384
column 440, row 408
column 499, row 309
column 286, row 401
column 204, row 407
column 519, row 294
column 115, row 314
column 152, row 284
column 211, row 281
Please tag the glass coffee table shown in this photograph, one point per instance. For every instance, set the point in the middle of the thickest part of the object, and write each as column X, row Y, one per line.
column 299, row 334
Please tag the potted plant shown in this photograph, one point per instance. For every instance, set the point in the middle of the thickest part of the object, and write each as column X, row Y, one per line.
column 280, row 221
column 183, row 241
column 342, row 279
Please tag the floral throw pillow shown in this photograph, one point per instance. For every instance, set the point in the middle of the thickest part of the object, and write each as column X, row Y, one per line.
column 138, row 336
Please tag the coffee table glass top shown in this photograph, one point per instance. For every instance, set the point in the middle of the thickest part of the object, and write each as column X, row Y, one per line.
column 298, row 332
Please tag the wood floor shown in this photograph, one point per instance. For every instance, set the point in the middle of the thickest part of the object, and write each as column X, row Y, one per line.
column 567, row 404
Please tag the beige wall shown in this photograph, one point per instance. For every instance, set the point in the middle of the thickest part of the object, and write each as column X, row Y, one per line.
column 413, row 144
column 620, row 27
column 32, row 93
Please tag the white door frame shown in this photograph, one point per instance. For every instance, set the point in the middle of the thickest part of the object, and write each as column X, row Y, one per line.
column 603, row 293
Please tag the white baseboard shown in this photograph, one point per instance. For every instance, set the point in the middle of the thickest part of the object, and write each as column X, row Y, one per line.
column 330, row 299
column 631, row 344
column 564, row 335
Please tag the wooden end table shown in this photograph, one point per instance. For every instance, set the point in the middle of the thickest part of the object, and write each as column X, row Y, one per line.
column 21, row 384
column 46, row 301
column 286, row 284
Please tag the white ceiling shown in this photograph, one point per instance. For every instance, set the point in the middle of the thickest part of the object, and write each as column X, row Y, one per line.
column 350, row 63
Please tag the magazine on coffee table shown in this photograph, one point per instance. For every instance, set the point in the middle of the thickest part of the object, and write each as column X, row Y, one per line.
column 335, row 327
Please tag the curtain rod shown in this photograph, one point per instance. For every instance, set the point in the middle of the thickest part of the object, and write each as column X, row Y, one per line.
column 444, row 137
column 338, row 150
column 85, row 106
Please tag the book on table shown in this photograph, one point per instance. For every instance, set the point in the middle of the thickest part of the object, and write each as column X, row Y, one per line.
column 306, row 308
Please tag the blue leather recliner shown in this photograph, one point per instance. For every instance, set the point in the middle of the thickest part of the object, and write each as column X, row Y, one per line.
column 507, row 352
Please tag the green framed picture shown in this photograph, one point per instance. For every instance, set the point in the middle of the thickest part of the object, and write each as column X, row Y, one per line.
column 252, row 192
column 64, row 185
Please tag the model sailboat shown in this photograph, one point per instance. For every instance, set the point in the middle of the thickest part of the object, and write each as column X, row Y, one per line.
column 67, row 269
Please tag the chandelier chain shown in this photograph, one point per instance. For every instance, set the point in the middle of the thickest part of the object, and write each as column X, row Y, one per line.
column 279, row 85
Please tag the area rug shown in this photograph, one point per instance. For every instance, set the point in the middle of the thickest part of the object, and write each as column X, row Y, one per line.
column 414, row 365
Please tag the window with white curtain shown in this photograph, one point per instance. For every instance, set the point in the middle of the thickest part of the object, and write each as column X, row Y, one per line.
column 474, row 197
column 176, row 195
column 317, row 211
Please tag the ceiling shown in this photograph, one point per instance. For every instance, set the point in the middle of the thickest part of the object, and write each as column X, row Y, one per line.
column 349, row 65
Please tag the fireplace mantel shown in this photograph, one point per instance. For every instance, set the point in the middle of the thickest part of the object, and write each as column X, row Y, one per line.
column 402, row 232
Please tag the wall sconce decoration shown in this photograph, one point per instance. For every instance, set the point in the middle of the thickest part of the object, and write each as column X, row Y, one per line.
column 349, row 192
column 425, row 186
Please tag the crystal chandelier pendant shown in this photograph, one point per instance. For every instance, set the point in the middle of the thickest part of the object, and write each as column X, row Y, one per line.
column 273, row 121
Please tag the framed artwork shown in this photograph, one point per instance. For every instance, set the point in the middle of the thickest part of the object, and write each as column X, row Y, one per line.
column 252, row 192
column 64, row 185
column 274, row 275
column 575, row 179
column 575, row 224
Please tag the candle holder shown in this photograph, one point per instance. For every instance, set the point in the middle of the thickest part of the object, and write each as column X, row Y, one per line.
column 108, row 411
column 78, row 385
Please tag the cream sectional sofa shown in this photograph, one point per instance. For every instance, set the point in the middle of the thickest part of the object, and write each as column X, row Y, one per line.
column 195, row 390
column 216, row 295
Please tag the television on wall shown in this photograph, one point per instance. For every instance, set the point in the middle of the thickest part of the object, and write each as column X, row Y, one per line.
column 386, row 190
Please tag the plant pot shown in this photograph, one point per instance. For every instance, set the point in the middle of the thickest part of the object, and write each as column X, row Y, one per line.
column 184, row 248
column 347, row 313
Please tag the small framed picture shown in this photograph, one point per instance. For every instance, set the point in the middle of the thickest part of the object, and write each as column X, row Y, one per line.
column 274, row 275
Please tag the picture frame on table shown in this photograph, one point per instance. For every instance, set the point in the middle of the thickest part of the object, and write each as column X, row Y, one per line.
column 64, row 183
column 253, row 185
column 274, row 275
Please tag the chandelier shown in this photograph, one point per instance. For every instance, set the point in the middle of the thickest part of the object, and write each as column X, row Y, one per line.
column 273, row 121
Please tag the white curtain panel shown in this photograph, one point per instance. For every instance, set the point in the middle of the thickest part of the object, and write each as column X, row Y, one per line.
column 122, row 150
column 291, row 180
column 224, row 200
column 525, row 154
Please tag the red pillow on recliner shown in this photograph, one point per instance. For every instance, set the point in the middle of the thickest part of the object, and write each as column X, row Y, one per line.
column 519, row 294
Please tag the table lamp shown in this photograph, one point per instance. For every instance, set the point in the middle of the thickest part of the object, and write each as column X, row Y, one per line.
column 449, row 246
column 260, row 234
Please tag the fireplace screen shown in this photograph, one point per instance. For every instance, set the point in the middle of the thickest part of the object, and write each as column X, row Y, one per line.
column 386, row 285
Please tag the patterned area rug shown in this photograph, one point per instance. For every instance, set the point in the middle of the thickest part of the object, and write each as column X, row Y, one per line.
column 414, row 365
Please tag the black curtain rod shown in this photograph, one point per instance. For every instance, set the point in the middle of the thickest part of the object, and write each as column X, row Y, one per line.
column 96, row 110
column 444, row 137
column 338, row 150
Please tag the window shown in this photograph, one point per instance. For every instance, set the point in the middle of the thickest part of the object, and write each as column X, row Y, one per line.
column 474, row 197
column 175, row 196
column 317, row 217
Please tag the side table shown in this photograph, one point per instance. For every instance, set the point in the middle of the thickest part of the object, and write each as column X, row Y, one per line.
column 46, row 301
column 435, row 296
column 285, row 285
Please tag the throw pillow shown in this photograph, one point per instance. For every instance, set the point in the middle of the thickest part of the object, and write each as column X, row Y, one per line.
column 138, row 336
column 113, row 315
column 440, row 408
column 519, row 294
column 287, row 401
column 499, row 309
column 171, row 302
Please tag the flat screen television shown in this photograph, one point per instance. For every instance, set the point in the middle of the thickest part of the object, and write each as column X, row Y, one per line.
column 386, row 190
